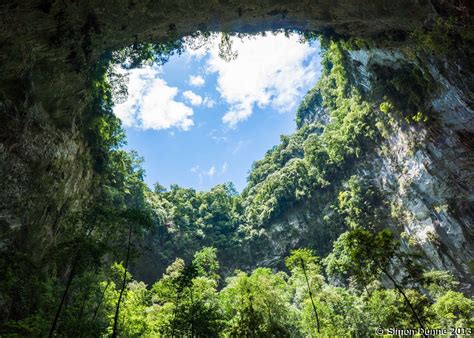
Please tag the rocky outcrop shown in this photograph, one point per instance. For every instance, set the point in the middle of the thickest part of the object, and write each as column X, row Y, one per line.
column 423, row 171
column 45, row 172
column 49, row 50
column 426, row 169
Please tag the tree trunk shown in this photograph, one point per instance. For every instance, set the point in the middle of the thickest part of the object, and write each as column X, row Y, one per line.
column 63, row 298
column 404, row 296
column 117, row 309
column 96, row 311
column 175, row 311
column 83, row 305
column 68, row 284
column 192, row 313
column 250, row 298
column 81, row 312
column 310, row 295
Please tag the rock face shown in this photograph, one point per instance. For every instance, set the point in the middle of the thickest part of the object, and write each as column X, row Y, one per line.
column 423, row 171
column 48, row 51
column 45, row 173
column 426, row 170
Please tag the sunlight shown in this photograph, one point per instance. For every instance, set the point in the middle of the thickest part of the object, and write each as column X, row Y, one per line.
column 206, row 104
column 236, row 168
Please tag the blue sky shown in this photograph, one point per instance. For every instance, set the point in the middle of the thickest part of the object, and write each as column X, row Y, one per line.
column 199, row 121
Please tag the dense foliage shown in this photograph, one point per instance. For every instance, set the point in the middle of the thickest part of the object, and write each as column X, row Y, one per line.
column 86, row 288
column 298, row 302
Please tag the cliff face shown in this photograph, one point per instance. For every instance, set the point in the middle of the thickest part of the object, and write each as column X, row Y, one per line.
column 49, row 50
column 423, row 170
column 45, row 171
column 426, row 170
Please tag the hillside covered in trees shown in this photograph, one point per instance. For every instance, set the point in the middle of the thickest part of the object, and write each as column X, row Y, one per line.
column 207, row 246
column 359, row 221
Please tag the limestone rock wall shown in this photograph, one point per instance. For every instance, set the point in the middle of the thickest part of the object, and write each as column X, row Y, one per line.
column 423, row 170
column 48, row 50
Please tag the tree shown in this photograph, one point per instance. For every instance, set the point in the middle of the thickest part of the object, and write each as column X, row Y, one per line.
column 188, row 294
column 453, row 309
column 258, row 305
column 341, row 313
column 133, row 312
column 388, row 308
column 136, row 219
column 303, row 262
column 437, row 283
column 79, row 252
column 117, row 309
column 359, row 204
column 365, row 255
column 206, row 263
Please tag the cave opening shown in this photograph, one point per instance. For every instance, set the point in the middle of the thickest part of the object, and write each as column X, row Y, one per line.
column 203, row 117
column 358, row 221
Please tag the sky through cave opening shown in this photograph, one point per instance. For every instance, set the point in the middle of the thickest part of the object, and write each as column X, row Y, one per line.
column 200, row 120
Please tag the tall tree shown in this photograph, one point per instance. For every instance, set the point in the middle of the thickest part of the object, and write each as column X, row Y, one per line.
column 136, row 219
column 364, row 255
column 124, row 283
column 302, row 261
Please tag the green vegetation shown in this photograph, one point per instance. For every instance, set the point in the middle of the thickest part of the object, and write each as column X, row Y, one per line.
column 187, row 302
column 440, row 38
column 212, row 243
column 192, row 219
column 309, row 108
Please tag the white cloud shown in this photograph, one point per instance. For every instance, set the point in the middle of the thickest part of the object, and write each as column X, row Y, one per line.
column 217, row 136
column 211, row 172
column 196, row 80
column 271, row 71
column 197, row 52
column 224, row 168
column 192, row 98
column 198, row 172
column 151, row 103
column 241, row 144
column 208, row 102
